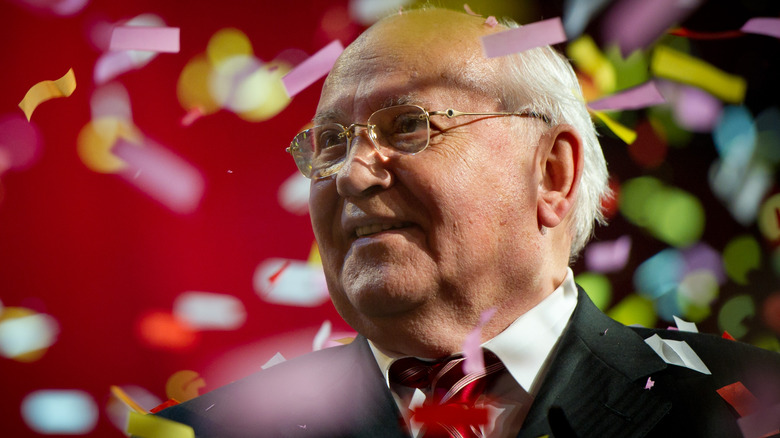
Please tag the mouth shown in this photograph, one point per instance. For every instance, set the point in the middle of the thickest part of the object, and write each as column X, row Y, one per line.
column 368, row 230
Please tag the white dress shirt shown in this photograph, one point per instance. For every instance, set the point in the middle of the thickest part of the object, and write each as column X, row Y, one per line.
column 524, row 348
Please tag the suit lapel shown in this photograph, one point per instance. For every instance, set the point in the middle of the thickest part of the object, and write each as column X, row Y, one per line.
column 595, row 383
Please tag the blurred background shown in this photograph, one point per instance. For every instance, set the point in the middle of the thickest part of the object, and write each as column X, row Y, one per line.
column 154, row 234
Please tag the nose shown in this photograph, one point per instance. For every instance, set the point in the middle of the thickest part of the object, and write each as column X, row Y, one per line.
column 365, row 169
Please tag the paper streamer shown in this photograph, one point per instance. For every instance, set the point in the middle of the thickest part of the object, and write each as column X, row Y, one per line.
column 152, row 426
column 45, row 90
column 624, row 133
column 312, row 69
column 677, row 353
column 641, row 96
column 677, row 66
column 474, row 358
column 153, row 39
column 763, row 26
column 529, row 36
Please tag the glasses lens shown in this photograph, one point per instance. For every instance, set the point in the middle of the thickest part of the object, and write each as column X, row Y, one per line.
column 319, row 151
column 402, row 127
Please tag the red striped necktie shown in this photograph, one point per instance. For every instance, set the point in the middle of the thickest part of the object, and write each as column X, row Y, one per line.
column 449, row 410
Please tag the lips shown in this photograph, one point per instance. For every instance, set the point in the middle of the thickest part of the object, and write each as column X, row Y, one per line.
column 367, row 230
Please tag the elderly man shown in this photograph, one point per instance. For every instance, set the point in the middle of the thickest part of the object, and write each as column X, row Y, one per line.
column 447, row 188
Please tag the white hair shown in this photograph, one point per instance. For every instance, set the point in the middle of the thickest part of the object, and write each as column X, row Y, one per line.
column 543, row 81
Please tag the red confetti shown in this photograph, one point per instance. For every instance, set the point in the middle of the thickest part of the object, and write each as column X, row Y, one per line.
column 726, row 335
column 692, row 34
column 272, row 279
column 170, row 402
column 740, row 398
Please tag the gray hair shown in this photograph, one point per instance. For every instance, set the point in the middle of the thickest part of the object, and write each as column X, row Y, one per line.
column 543, row 81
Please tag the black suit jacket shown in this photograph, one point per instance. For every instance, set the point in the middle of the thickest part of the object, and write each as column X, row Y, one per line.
column 593, row 388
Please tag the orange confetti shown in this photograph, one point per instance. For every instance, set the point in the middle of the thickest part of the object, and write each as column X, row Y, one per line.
column 45, row 90
column 740, row 398
column 272, row 279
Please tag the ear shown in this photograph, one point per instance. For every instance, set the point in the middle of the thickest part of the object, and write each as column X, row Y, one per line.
column 560, row 165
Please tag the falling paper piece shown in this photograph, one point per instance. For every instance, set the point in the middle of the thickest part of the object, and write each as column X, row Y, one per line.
column 298, row 284
column 677, row 353
column 28, row 333
column 469, row 11
column 184, row 385
column 677, row 66
column 491, row 21
column 740, row 398
column 763, row 26
column 148, row 38
column 293, row 194
column 577, row 15
column 312, row 69
column 726, row 335
column 687, row 33
column 322, row 335
column 760, row 424
column 161, row 174
column 152, row 426
column 608, row 256
column 122, row 396
column 685, row 326
column 529, row 36
column 635, row 24
column 45, row 90
column 192, row 115
column 696, row 110
column 622, row 132
column 474, row 357
column 20, row 143
column 275, row 360
column 60, row 412
column 209, row 311
column 641, row 96
column 166, row 404
column 650, row 383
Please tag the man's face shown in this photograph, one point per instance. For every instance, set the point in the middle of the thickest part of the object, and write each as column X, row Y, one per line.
column 416, row 244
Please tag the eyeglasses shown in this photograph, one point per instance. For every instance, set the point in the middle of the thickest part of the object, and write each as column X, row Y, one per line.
column 322, row 150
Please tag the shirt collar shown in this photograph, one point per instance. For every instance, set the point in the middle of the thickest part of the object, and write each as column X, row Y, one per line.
column 524, row 346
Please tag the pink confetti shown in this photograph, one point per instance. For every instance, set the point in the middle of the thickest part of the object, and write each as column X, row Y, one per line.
column 474, row 361
column 635, row 24
column 763, row 26
column 192, row 115
column 608, row 256
column 541, row 33
column 649, row 383
column 761, row 423
column 641, row 96
column 162, row 175
column 469, row 11
column 491, row 21
column 312, row 69
column 154, row 39
column 696, row 110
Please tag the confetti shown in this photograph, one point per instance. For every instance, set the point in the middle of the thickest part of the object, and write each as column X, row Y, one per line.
column 275, row 360
column 20, row 143
column 726, row 335
column 46, row 90
column 677, row 353
column 763, row 26
column 298, row 284
column 696, row 110
column 184, row 385
column 760, row 424
column 622, row 132
column 25, row 335
column 641, row 96
column 688, row 33
column 322, row 335
column 491, row 21
column 635, row 24
column 529, row 36
column 152, row 426
column 469, row 11
column 148, row 38
column 209, row 311
column 677, row 66
column 685, row 326
column 161, row 174
column 608, row 256
column 312, row 69
column 474, row 358
column 650, row 383
column 122, row 396
column 577, row 15
column 293, row 194
column 60, row 412
column 740, row 398
column 166, row 404
column 192, row 115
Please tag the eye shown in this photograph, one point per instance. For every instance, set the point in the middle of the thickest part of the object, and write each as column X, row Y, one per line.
column 409, row 123
column 329, row 137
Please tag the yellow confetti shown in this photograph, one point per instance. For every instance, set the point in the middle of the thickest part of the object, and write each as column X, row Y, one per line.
column 124, row 398
column 586, row 55
column 677, row 66
column 626, row 134
column 314, row 255
column 152, row 426
column 45, row 90
column 184, row 385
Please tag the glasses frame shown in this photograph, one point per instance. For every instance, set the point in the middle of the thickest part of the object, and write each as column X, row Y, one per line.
column 350, row 132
